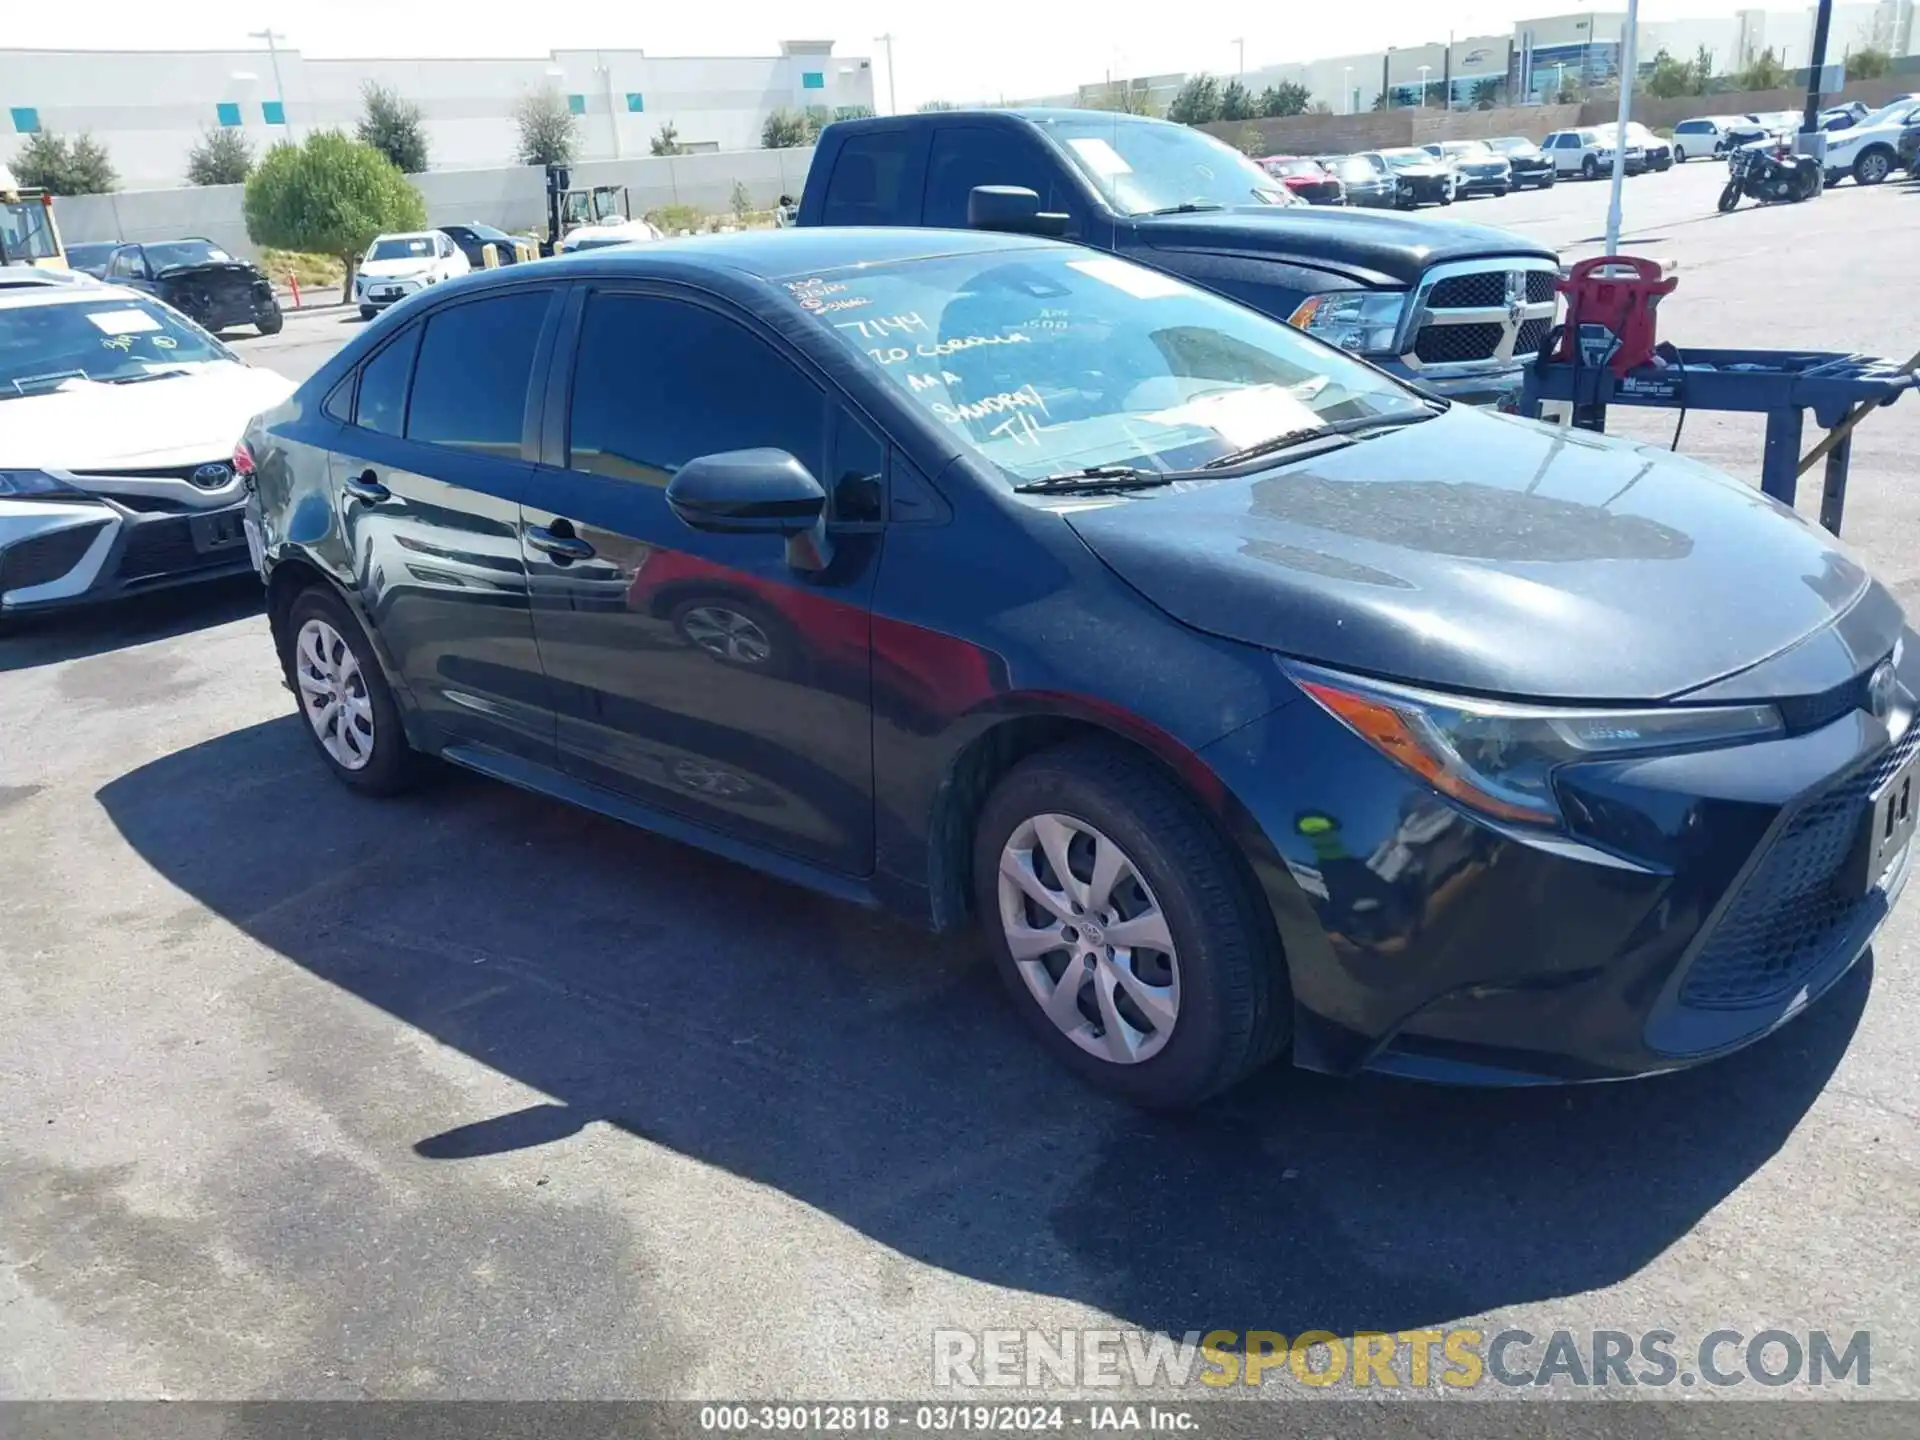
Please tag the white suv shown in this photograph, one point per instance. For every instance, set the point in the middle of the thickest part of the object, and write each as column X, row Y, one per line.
column 1587, row 153
column 397, row 265
column 1869, row 151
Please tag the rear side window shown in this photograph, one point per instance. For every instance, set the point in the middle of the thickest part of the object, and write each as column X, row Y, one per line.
column 382, row 403
column 1693, row 127
column 870, row 182
column 470, row 387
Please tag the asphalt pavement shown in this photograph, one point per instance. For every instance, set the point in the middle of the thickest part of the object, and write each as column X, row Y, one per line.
column 471, row 1094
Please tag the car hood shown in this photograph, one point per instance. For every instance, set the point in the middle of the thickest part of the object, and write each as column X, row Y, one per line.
column 1397, row 246
column 1483, row 553
column 178, row 421
column 210, row 269
column 401, row 269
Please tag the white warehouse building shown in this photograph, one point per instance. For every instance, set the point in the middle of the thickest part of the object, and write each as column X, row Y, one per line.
column 149, row 108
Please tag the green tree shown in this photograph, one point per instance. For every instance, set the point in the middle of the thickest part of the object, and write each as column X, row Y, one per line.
column 1383, row 101
column 666, row 140
column 785, row 130
column 549, row 134
column 1487, row 93
column 1669, row 78
column 61, row 166
column 1702, row 70
column 1197, row 102
column 1764, row 72
column 741, row 201
column 1250, row 142
column 852, row 112
column 329, row 195
column 392, row 125
column 1867, row 63
column 1287, row 98
column 1569, row 92
column 1235, row 102
column 222, row 156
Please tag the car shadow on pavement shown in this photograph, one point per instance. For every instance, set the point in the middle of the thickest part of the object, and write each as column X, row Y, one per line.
column 27, row 641
column 877, row 1074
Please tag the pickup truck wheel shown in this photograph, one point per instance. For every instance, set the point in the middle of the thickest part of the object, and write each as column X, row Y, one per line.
column 1873, row 166
column 1124, row 929
column 1590, row 168
column 270, row 324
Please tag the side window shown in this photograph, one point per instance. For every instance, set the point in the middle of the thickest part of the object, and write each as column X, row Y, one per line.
column 382, row 402
column 339, row 402
column 657, row 382
column 470, row 387
column 122, row 266
column 966, row 156
column 869, row 185
column 857, row 489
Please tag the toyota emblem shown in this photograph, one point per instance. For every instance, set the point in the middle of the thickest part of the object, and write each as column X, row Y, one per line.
column 212, row 477
column 1881, row 687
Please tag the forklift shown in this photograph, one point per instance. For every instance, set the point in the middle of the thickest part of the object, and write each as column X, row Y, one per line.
column 569, row 209
column 28, row 233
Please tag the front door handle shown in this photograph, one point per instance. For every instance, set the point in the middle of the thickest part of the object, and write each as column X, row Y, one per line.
column 366, row 486
column 563, row 547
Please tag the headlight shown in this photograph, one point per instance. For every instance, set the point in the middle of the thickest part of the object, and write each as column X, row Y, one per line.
column 1499, row 758
column 1355, row 320
column 18, row 484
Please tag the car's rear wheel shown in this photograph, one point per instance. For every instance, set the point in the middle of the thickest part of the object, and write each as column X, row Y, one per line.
column 1872, row 167
column 344, row 697
column 1123, row 928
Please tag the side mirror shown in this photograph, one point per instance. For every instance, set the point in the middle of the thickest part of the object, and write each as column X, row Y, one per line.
column 755, row 492
column 1012, row 208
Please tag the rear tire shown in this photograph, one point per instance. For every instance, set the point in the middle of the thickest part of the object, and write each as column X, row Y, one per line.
column 367, row 312
column 1872, row 167
column 346, row 705
column 1163, row 1026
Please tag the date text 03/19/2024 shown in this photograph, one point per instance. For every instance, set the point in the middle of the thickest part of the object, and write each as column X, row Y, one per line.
column 943, row 1418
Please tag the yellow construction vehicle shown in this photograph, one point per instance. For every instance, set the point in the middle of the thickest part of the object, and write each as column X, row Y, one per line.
column 29, row 234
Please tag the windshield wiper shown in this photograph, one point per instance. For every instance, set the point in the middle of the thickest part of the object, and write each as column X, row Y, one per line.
column 1187, row 207
column 1095, row 477
column 166, row 374
column 1341, row 430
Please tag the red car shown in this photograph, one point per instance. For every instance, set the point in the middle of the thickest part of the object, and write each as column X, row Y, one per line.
column 1307, row 179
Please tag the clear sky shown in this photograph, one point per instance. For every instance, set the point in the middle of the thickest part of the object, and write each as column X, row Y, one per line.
column 978, row 50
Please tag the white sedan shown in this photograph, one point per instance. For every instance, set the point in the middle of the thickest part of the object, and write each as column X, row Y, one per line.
column 396, row 266
column 120, row 418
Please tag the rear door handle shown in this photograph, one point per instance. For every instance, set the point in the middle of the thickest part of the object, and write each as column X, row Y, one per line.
column 563, row 548
column 366, row 486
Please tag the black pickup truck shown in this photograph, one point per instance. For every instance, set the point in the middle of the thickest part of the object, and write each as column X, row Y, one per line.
column 1455, row 309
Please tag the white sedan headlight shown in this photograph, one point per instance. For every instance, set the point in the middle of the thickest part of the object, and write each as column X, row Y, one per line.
column 1355, row 320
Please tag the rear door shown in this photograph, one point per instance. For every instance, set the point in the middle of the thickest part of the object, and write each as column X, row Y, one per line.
column 428, row 478
column 699, row 673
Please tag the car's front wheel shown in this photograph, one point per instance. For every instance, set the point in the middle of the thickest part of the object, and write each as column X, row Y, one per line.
column 1872, row 167
column 344, row 697
column 1124, row 929
column 1679, row 154
column 367, row 312
column 1590, row 167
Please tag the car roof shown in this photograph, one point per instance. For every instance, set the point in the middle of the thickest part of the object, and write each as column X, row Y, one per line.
column 406, row 235
column 780, row 254
column 17, row 297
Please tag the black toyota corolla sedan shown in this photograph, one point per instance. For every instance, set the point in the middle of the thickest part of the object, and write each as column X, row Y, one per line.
column 1247, row 700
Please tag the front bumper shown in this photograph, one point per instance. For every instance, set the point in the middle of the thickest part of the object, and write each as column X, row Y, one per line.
column 1494, row 184
column 1694, row 910
column 380, row 292
column 1489, row 382
column 58, row 554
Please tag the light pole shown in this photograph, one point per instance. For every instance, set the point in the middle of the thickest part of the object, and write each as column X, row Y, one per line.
column 1628, row 64
column 1346, row 85
column 279, row 90
column 1241, row 44
column 893, row 105
column 1423, row 85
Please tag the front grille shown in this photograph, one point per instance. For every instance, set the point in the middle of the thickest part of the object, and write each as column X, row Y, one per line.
column 1533, row 334
column 1791, row 910
column 163, row 547
column 1469, row 292
column 1444, row 344
column 159, row 472
column 1539, row 286
column 146, row 504
column 40, row 558
column 1810, row 712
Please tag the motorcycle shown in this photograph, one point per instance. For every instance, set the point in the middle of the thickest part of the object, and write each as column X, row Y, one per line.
column 1770, row 177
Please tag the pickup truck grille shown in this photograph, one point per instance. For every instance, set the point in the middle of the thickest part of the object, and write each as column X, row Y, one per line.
column 1480, row 312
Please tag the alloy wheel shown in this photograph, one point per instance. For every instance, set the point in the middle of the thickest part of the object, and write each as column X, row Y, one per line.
column 727, row 634
column 1873, row 168
column 1089, row 938
column 333, row 695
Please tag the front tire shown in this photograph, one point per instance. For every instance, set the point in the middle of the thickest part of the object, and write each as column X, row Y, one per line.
column 1590, row 168
column 367, row 312
column 1729, row 196
column 271, row 324
column 1679, row 154
column 344, row 697
column 1122, row 926
column 1872, row 167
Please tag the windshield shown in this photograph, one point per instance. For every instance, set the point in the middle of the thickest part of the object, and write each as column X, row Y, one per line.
column 1140, row 167
column 1359, row 168
column 1467, row 150
column 1515, row 146
column 1406, row 159
column 111, row 339
column 174, row 254
column 1051, row 361
column 1292, row 167
column 25, row 233
column 401, row 247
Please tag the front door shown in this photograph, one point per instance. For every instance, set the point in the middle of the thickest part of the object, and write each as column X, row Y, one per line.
column 700, row 673
column 428, row 476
